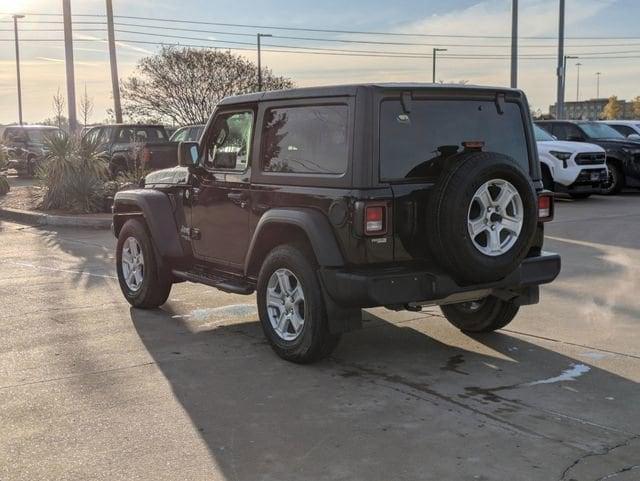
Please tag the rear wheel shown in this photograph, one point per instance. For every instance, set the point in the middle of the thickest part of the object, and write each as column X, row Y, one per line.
column 142, row 281
column 616, row 180
column 291, row 307
column 484, row 315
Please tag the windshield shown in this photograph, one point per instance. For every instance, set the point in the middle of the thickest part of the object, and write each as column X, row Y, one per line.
column 542, row 135
column 600, row 131
column 419, row 143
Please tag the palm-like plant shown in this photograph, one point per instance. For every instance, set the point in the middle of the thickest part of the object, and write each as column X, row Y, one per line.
column 73, row 174
column 4, row 182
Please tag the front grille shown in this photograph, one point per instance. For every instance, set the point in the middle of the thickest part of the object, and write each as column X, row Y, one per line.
column 591, row 158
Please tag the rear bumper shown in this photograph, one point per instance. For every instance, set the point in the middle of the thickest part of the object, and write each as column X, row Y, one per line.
column 399, row 286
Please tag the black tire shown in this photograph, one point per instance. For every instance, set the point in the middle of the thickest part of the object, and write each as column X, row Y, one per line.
column 579, row 195
column 314, row 341
column 547, row 179
column 156, row 284
column 486, row 315
column 616, row 179
column 448, row 236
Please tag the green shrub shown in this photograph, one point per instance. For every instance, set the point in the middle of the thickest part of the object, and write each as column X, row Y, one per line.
column 4, row 185
column 73, row 175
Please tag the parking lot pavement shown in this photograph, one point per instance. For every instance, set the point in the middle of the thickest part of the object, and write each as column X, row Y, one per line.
column 91, row 389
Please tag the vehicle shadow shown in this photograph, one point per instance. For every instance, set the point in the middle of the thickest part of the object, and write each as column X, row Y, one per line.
column 393, row 402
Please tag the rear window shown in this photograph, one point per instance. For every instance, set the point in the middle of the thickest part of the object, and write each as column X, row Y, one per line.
column 308, row 140
column 417, row 144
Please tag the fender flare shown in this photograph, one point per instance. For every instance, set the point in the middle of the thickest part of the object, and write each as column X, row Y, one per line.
column 313, row 223
column 158, row 212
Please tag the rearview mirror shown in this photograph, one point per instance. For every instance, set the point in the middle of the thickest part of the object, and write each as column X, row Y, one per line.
column 188, row 154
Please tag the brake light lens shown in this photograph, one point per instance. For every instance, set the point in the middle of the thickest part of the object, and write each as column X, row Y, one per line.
column 375, row 220
column 545, row 207
column 146, row 155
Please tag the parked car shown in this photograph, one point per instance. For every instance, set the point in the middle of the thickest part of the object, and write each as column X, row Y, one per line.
column 123, row 144
column 26, row 146
column 576, row 168
column 629, row 128
column 623, row 155
column 166, row 153
column 324, row 208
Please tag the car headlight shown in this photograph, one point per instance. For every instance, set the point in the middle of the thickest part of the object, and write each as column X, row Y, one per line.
column 561, row 155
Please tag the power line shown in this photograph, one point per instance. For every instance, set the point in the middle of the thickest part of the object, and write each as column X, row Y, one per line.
column 346, row 32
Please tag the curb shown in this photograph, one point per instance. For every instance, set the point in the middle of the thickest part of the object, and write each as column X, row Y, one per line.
column 40, row 219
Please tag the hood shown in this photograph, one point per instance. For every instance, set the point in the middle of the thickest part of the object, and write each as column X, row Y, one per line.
column 566, row 146
column 617, row 144
column 172, row 176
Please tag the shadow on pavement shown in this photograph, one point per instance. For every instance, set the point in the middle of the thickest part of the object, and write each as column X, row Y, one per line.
column 392, row 403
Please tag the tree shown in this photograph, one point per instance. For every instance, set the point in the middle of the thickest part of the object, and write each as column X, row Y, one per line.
column 183, row 85
column 613, row 109
column 636, row 107
column 58, row 109
column 86, row 107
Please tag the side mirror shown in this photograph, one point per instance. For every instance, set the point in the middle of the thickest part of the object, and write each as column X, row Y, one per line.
column 188, row 154
column 633, row 136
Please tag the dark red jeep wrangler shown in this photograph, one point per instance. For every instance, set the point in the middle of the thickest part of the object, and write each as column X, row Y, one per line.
column 328, row 200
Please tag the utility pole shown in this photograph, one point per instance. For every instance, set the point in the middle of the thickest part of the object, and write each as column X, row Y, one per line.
column 564, row 78
column 15, row 31
column 68, row 57
column 514, row 44
column 435, row 50
column 560, row 71
column 598, row 84
column 115, row 83
column 578, row 83
column 259, row 36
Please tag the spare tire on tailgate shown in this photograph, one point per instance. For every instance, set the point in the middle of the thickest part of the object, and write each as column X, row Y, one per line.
column 482, row 217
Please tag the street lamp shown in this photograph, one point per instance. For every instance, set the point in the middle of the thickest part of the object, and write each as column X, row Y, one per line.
column 15, row 31
column 561, row 109
column 598, row 84
column 259, row 36
column 434, row 61
column 578, row 83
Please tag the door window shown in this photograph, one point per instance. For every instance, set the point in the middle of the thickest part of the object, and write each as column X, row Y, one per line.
column 229, row 144
column 307, row 140
column 180, row 135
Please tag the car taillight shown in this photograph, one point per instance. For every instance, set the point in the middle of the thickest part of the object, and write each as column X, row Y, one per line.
column 146, row 155
column 545, row 207
column 375, row 220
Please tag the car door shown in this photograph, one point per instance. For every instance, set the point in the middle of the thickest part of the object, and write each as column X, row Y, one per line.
column 220, row 195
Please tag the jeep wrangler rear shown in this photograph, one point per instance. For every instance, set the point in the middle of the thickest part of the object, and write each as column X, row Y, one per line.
column 329, row 200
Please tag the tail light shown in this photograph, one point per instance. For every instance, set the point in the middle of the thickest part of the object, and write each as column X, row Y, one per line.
column 375, row 219
column 146, row 155
column 545, row 206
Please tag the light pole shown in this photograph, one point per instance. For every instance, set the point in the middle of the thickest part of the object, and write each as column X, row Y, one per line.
column 68, row 61
column 259, row 36
column 514, row 44
column 560, row 72
column 15, row 31
column 434, row 61
column 115, row 85
column 564, row 80
column 598, row 84
column 578, row 83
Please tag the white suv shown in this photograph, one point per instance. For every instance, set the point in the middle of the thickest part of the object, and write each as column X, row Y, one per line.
column 576, row 168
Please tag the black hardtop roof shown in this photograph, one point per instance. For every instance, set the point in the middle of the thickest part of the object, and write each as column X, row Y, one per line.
column 32, row 127
column 351, row 89
column 570, row 121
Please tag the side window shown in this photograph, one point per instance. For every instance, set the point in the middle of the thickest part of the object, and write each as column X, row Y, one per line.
column 93, row 135
column 229, row 144
column 105, row 134
column 308, row 139
column 574, row 133
column 180, row 135
column 560, row 131
column 624, row 130
column 16, row 135
column 125, row 135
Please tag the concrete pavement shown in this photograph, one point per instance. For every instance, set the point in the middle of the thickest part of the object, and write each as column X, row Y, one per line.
column 91, row 389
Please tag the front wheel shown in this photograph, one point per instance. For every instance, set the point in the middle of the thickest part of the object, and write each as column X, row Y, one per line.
column 142, row 281
column 291, row 307
column 485, row 315
column 616, row 180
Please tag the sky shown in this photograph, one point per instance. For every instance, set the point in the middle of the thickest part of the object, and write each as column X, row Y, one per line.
column 445, row 23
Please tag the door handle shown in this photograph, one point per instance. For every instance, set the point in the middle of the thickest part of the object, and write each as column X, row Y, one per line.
column 238, row 198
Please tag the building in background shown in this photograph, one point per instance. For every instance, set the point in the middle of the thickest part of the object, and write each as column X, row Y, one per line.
column 592, row 109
